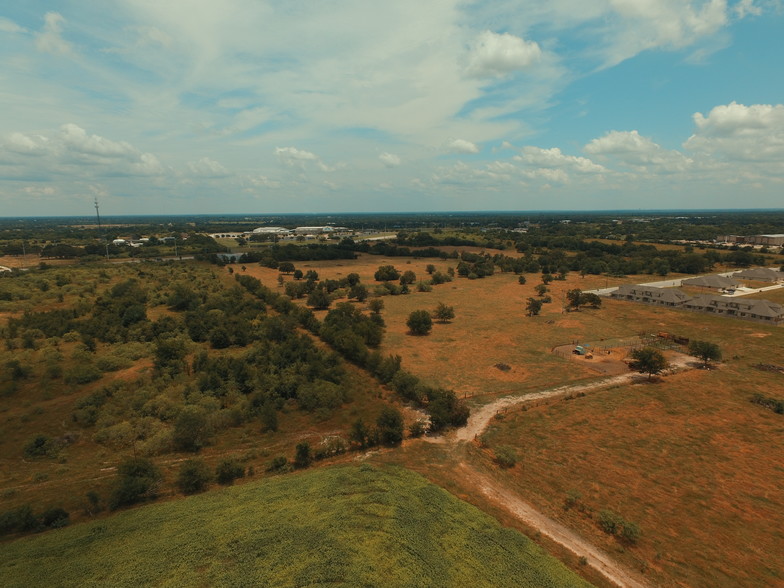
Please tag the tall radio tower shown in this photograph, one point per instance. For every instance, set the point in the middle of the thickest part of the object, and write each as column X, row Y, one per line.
column 97, row 214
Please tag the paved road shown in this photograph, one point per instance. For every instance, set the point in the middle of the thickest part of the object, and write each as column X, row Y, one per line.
column 678, row 282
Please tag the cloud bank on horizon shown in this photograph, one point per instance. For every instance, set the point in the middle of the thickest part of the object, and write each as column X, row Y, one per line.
column 250, row 106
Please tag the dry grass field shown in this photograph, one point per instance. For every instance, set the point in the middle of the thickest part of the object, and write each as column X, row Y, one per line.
column 490, row 326
column 688, row 458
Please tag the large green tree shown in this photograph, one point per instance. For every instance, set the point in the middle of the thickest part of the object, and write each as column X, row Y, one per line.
column 408, row 277
column 648, row 361
column 419, row 322
column 191, row 429
column 386, row 273
column 319, row 299
column 705, row 351
column 137, row 480
column 194, row 476
column 573, row 297
column 444, row 313
column 533, row 307
column 390, row 426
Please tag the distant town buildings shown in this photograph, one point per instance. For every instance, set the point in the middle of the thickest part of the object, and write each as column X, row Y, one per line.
column 763, row 311
column 773, row 240
column 283, row 232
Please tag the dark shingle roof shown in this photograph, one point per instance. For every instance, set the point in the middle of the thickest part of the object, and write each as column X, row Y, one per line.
column 712, row 282
column 760, row 273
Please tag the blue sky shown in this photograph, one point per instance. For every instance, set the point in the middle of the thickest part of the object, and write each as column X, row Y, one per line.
column 251, row 106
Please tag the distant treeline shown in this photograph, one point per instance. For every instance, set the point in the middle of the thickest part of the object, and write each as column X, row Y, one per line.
column 355, row 336
column 553, row 254
column 192, row 245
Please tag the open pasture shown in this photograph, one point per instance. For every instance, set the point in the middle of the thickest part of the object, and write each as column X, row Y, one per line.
column 490, row 328
column 689, row 459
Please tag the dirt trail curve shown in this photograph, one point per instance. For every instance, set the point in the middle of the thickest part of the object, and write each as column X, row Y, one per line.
column 524, row 512
column 480, row 417
column 510, row 501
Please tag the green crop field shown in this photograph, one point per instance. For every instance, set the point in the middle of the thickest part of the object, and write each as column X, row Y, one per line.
column 358, row 526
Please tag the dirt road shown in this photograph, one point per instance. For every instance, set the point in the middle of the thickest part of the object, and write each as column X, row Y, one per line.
column 523, row 511
column 554, row 530
column 480, row 417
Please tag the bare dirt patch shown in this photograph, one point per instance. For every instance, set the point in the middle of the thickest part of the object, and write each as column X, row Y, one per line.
column 605, row 361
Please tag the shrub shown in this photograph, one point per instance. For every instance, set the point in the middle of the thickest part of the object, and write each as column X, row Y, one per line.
column 54, row 518
column 302, row 456
column 572, row 498
column 229, row 470
column 83, row 373
column 112, row 363
column 17, row 370
column 332, row 445
column 41, row 446
column 419, row 322
column 386, row 273
column 18, row 520
column 280, row 463
column 444, row 313
column 93, row 502
column 610, row 521
column 390, row 426
column 506, row 457
column 191, row 429
column 418, row 428
column 194, row 477
column 269, row 417
column 631, row 533
column 137, row 480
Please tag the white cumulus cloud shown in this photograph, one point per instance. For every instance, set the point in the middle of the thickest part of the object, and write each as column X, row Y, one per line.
column 634, row 26
column 292, row 155
column 747, row 7
column 462, row 146
column 494, row 54
column 207, row 168
column 389, row 159
column 20, row 143
column 554, row 158
column 298, row 158
column 631, row 148
column 77, row 140
column 9, row 26
column 558, row 176
column 736, row 131
column 39, row 191
column 50, row 40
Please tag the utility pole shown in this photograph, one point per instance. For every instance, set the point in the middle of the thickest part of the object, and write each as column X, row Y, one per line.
column 97, row 214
